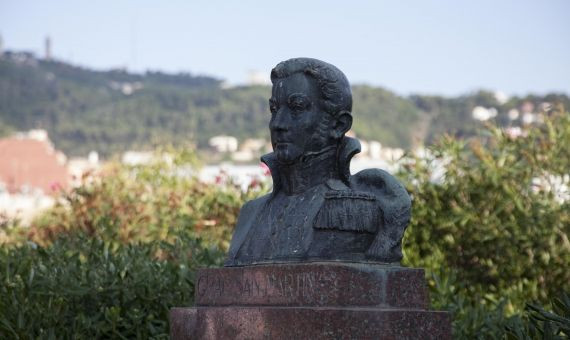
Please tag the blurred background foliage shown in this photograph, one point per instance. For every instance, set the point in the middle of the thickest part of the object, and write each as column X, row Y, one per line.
column 491, row 219
column 114, row 111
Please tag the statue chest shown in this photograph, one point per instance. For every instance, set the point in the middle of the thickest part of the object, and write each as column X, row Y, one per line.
column 283, row 228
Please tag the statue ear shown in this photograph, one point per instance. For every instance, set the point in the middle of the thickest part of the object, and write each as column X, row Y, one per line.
column 343, row 123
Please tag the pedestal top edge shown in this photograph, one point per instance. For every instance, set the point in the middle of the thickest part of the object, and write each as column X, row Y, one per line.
column 308, row 264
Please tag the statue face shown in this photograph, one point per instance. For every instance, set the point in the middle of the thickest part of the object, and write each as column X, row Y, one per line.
column 295, row 116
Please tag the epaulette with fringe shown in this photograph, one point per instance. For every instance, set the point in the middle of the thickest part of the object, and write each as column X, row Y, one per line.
column 349, row 211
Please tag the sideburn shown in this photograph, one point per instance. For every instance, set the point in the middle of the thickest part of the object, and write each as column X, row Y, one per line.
column 321, row 138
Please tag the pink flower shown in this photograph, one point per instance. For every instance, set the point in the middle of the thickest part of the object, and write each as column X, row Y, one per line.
column 55, row 186
column 266, row 170
column 254, row 183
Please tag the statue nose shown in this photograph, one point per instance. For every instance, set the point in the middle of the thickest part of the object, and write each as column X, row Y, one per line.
column 280, row 121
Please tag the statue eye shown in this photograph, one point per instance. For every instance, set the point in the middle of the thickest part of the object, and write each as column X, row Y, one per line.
column 298, row 104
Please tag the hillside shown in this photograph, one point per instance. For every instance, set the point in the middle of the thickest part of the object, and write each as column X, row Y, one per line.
column 112, row 111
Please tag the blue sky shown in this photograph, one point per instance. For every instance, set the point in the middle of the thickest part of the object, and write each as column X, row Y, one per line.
column 434, row 47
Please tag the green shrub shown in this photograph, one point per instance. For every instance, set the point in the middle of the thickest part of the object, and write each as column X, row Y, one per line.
column 490, row 223
column 80, row 287
column 116, row 253
column 143, row 203
column 470, row 318
column 499, row 216
column 539, row 323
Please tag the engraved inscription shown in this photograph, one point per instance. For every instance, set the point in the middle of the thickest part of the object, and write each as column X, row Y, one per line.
column 309, row 285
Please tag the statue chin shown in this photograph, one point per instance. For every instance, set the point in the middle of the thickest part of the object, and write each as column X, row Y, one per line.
column 288, row 154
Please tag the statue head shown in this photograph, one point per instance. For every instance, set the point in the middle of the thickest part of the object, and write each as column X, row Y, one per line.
column 310, row 105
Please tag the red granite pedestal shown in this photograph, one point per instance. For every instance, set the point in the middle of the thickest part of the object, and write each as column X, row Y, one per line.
column 325, row 300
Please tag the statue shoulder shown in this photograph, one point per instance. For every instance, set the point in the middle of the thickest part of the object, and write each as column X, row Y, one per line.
column 249, row 211
column 395, row 204
column 380, row 183
column 389, row 192
column 247, row 214
column 371, row 199
column 254, row 205
column 347, row 209
column 246, row 218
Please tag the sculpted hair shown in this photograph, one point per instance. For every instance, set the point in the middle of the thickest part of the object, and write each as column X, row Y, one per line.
column 332, row 83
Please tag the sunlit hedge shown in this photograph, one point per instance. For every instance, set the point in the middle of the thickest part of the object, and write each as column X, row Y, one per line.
column 82, row 287
column 491, row 221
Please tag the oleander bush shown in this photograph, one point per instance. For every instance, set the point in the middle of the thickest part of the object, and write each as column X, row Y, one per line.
column 111, row 258
column 538, row 322
column 491, row 218
column 81, row 287
column 143, row 203
column 492, row 320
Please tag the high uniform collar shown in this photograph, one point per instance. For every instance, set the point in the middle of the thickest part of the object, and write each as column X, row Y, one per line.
column 314, row 169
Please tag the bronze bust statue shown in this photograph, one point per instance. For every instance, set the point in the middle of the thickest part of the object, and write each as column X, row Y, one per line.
column 318, row 211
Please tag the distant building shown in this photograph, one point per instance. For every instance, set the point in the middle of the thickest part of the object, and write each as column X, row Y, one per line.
column 529, row 118
column 481, row 113
column 80, row 167
column 48, row 48
column 126, row 88
column 23, row 58
column 258, row 78
column 32, row 172
column 253, row 144
column 243, row 156
column 513, row 114
column 30, row 162
column 527, row 107
column 374, row 149
column 364, row 149
column 501, row 97
column 137, row 157
column 243, row 175
column 224, row 143
column 392, row 154
column 545, row 107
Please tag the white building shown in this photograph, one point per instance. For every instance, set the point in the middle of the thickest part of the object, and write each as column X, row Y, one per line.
column 258, row 78
column 481, row 113
column 224, row 143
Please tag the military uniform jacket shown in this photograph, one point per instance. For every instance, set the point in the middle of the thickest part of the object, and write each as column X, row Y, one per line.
column 345, row 218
